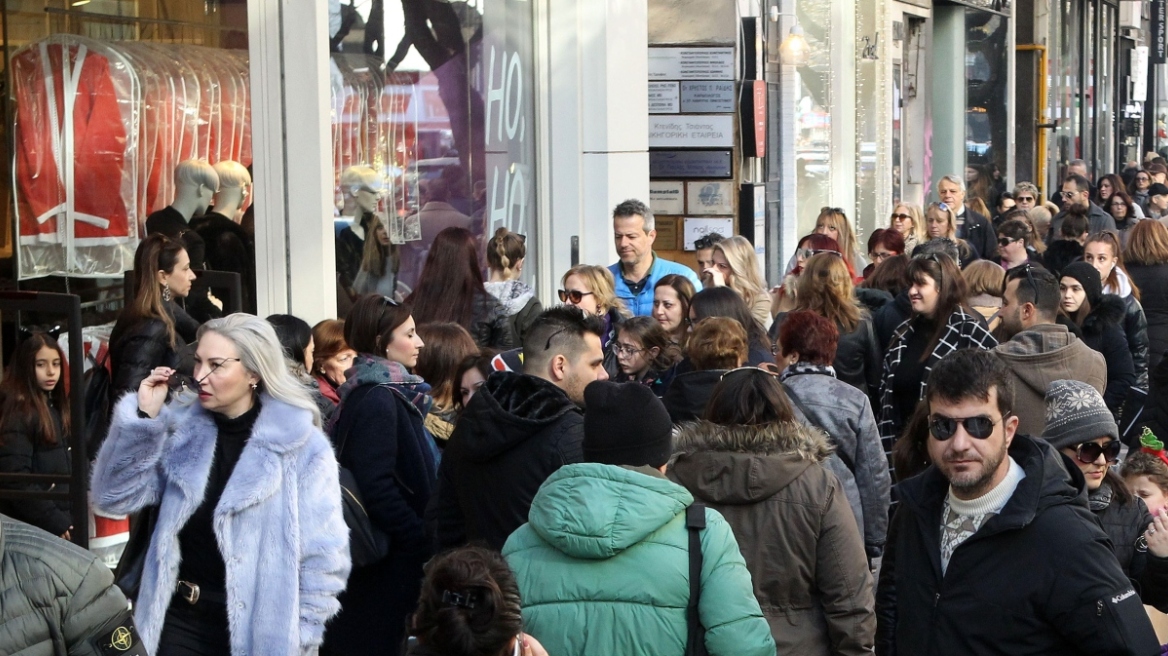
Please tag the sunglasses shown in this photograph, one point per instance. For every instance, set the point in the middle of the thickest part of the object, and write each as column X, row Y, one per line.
column 1024, row 199
column 1006, row 241
column 979, row 427
column 1016, row 274
column 575, row 295
column 1068, row 194
column 901, row 217
column 1089, row 452
column 807, row 253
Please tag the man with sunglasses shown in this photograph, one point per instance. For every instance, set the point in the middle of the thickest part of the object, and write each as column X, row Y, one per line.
column 1036, row 349
column 992, row 549
column 1026, row 195
column 1076, row 192
column 639, row 268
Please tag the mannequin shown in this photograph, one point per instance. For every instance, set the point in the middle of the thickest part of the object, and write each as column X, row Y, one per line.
column 195, row 183
column 361, row 188
column 228, row 246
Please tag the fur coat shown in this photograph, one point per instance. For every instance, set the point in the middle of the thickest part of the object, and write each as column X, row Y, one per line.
column 278, row 522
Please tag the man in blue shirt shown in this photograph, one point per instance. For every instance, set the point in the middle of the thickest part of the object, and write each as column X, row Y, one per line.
column 639, row 268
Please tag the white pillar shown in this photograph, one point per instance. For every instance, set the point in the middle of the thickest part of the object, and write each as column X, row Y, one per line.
column 295, row 257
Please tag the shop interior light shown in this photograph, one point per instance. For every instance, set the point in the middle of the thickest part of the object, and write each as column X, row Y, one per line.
column 78, row 3
column 794, row 50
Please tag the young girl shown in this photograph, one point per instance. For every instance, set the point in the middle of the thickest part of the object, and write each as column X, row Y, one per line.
column 34, row 425
column 1146, row 472
column 644, row 352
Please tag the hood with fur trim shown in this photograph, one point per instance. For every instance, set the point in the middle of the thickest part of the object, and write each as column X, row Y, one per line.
column 744, row 464
column 1111, row 310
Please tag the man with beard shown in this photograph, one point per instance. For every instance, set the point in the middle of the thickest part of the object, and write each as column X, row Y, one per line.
column 1036, row 349
column 993, row 549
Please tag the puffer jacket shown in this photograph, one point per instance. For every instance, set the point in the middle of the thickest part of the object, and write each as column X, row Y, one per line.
column 602, row 537
column 794, row 528
column 24, row 451
column 1124, row 524
column 1135, row 329
column 489, row 325
column 1103, row 331
column 59, row 600
column 845, row 414
column 137, row 348
column 1040, row 355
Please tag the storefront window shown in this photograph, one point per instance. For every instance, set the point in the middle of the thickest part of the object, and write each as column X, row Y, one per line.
column 987, row 117
column 437, row 130
column 813, row 116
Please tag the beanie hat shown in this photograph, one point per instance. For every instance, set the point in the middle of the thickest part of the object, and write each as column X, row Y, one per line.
column 508, row 361
column 625, row 424
column 1088, row 277
column 1076, row 413
column 1157, row 189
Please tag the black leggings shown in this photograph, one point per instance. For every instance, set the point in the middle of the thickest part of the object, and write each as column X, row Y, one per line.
column 199, row 630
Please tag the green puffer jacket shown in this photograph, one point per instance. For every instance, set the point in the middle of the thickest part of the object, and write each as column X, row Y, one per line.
column 603, row 568
column 56, row 599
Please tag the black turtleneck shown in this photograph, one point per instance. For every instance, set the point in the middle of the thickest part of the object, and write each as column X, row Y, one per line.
column 202, row 563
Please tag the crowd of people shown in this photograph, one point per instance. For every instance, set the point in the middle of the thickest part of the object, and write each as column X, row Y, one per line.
column 943, row 444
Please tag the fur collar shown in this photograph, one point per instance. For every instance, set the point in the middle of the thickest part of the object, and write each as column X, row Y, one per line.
column 806, row 443
column 1110, row 310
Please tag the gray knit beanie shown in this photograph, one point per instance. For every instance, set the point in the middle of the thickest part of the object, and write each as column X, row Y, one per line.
column 1076, row 413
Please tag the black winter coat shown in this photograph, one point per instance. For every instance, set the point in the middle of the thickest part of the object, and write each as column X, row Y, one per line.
column 136, row 349
column 859, row 359
column 979, row 233
column 490, row 326
column 888, row 318
column 516, row 431
column 1135, row 329
column 229, row 248
column 689, row 393
column 1038, row 578
column 1153, row 284
column 1125, row 524
column 1103, row 332
column 24, row 451
column 1061, row 253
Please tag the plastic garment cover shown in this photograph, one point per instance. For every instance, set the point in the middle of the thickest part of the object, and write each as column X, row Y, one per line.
column 85, row 186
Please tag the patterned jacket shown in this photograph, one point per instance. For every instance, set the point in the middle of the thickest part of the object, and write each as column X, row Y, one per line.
column 963, row 329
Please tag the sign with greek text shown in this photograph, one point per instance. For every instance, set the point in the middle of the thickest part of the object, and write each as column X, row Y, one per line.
column 689, row 164
column 691, row 131
column 691, row 63
column 706, row 97
column 664, row 98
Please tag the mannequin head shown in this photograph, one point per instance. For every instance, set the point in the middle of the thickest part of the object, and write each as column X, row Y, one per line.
column 361, row 187
column 234, row 188
column 195, row 184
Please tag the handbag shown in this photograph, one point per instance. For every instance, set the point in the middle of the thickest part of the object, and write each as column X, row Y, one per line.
column 367, row 543
column 128, row 575
column 695, row 521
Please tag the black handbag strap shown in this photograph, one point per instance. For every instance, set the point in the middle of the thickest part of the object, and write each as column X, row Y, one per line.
column 799, row 404
column 695, row 522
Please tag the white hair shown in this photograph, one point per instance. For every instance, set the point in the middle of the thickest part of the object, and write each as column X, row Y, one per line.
column 953, row 179
column 261, row 354
column 232, row 175
column 355, row 178
column 196, row 172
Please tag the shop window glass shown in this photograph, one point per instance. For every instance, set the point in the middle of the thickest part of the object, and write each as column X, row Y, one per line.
column 986, row 118
column 813, row 105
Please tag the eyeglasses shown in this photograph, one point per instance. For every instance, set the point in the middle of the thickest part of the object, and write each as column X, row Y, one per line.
column 625, row 349
column 1089, row 452
column 880, row 256
column 979, row 427
column 1142, row 178
column 767, row 368
column 214, row 367
column 575, row 295
column 897, row 216
column 1006, row 241
column 808, row 253
column 1067, row 195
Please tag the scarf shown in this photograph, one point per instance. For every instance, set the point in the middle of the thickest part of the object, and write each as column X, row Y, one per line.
column 1100, row 499
column 372, row 370
column 801, row 367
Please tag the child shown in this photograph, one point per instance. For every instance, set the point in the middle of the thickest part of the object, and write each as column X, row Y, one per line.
column 1146, row 472
column 644, row 352
column 34, row 423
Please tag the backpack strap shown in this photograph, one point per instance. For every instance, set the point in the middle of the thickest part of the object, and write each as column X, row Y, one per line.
column 695, row 522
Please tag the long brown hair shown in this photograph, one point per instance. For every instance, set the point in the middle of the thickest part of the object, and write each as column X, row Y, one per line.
column 826, row 289
column 685, row 293
column 156, row 253
column 952, row 291
column 375, row 258
column 21, row 398
column 1109, row 238
column 450, row 280
column 1147, row 244
column 447, row 345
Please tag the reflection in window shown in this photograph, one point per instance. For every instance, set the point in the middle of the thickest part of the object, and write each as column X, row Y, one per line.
column 813, row 116
column 986, row 116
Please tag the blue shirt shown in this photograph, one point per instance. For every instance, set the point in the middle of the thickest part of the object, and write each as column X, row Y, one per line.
column 641, row 303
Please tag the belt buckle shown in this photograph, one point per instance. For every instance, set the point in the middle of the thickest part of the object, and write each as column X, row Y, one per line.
column 191, row 593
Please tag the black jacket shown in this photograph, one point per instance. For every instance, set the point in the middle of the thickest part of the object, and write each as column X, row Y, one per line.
column 1060, row 253
column 1124, row 524
column 171, row 223
column 689, row 392
column 515, row 432
column 979, row 233
column 490, row 326
column 24, row 451
column 1038, row 578
column 1135, row 328
column 888, row 318
column 1153, row 284
column 229, row 248
column 1103, row 331
column 137, row 348
column 859, row 359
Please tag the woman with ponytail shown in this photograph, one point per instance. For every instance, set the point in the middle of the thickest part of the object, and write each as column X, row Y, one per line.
column 506, row 254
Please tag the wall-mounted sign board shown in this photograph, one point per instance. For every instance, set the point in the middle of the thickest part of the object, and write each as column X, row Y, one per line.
column 691, row 63
column 689, row 164
column 691, row 131
column 697, row 228
column 710, row 197
column 705, row 97
column 667, row 197
column 665, row 98
column 666, row 233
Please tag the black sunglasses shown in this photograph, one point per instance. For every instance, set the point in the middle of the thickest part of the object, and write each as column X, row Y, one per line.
column 1089, row 452
column 1025, row 199
column 979, row 427
column 1016, row 274
column 901, row 216
column 1006, row 241
column 575, row 294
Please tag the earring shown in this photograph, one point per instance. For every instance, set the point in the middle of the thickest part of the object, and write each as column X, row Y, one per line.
column 166, row 295
column 255, row 386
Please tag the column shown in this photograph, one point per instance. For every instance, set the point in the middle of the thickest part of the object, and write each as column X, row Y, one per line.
column 948, row 94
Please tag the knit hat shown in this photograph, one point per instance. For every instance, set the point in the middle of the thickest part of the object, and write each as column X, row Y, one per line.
column 1088, row 277
column 625, row 424
column 1157, row 189
column 1076, row 413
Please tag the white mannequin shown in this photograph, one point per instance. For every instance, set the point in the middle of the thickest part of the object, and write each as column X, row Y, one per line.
column 234, row 188
column 361, row 187
column 195, row 183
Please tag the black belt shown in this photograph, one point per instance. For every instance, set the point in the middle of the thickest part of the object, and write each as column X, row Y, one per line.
column 193, row 594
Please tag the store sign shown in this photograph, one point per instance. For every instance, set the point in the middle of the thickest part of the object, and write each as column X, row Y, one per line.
column 1158, row 37
column 689, row 164
column 691, row 131
column 664, row 98
column 1139, row 74
column 691, row 63
column 710, row 197
column 695, row 229
column 667, row 197
column 706, row 97
column 760, row 117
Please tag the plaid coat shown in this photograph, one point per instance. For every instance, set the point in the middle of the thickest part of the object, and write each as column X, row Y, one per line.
column 964, row 329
